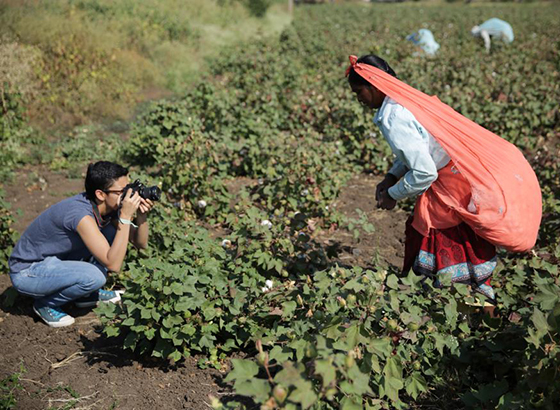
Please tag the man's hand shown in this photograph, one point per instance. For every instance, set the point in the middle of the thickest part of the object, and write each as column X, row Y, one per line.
column 130, row 204
column 146, row 206
column 139, row 235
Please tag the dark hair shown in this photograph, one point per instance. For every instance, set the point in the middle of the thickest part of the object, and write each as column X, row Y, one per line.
column 102, row 175
column 373, row 60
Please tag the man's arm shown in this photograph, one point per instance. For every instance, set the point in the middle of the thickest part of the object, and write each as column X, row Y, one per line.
column 111, row 256
column 484, row 34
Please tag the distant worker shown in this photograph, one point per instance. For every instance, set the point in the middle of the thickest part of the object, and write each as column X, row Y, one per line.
column 496, row 28
column 424, row 39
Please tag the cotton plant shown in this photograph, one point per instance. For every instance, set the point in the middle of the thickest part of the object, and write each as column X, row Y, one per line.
column 268, row 285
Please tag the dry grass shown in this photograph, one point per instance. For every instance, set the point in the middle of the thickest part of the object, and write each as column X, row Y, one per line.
column 97, row 56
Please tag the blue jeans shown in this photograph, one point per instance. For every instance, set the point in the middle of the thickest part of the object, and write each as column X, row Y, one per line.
column 53, row 282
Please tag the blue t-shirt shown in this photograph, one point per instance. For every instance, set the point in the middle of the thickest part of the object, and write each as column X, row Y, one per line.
column 54, row 233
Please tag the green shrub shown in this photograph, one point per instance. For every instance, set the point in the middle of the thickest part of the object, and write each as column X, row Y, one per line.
column 8, row 236
column 18, row 86
column 258, row 8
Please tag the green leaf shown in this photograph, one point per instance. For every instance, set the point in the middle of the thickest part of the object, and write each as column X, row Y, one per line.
column 279, row 355
column 150, row 333
column 440, row 342
column 539, row 320
column 299, row 345
column 393, row 378
column 242, row 370
column 380, row 347
column 415, row 385
column 177, row 288
column 175, row 355
column 360, row 381
column 451, row 311
column 350, row 404
column 393, row 282
column 491, row 392
column 548, row 296
column 256, row 388
column 165, row 333
column 145, row 313
column 288, row 376
column 112, row 331
column 171, row 321
column 412, row 280
column 129, row 322
column 326, row 370
column 304, row 394
column 130, row 341
column 352, row 335
column 156, row 315
column 207, row 341
column 185, row 304
column 288, row 308
column 392, row 386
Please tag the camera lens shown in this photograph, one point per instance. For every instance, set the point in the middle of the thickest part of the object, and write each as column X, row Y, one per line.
column 152, row 193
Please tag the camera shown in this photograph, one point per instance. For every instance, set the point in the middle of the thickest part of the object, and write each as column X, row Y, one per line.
column 152, row 193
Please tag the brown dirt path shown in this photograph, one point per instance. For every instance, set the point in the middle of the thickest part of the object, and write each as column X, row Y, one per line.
column 34, row 189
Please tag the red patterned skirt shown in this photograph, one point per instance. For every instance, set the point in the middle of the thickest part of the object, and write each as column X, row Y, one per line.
column 456, row 254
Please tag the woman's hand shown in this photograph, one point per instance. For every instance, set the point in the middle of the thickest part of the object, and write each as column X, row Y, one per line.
column 130, row 204
column 384, row 200
column 384, row 185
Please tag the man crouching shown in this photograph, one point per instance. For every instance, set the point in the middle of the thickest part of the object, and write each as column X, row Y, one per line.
column 66, row 252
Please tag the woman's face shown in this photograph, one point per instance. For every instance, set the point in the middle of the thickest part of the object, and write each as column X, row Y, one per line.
column 368, row 95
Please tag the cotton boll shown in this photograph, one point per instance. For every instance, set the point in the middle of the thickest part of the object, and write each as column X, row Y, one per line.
column 201, row 204
column 268, row 283
column 266, row 223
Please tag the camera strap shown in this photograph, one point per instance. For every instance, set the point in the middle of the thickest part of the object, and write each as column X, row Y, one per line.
column 101, row 222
